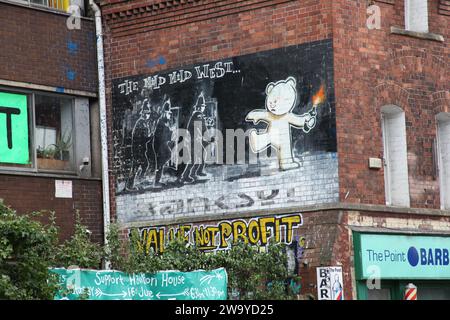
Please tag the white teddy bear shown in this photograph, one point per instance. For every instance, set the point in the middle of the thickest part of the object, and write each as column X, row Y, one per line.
column 281, row 99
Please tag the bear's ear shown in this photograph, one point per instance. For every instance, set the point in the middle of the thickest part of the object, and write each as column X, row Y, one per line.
column 292, row 82
column 269, row 87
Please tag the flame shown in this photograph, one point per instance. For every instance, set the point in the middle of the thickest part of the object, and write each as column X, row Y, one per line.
column 319, row 97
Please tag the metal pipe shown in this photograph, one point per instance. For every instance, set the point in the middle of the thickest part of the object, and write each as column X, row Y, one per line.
column 103, row 123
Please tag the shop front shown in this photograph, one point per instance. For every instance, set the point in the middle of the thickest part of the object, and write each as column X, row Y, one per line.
column 385, row 264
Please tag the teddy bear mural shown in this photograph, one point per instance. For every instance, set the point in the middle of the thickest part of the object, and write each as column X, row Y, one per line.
column 280, row 101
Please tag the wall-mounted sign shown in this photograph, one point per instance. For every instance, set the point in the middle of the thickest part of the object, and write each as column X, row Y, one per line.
column 13, row 128
column 63, row 189
column 163, row 285
column 402, row 256
column 330, row 284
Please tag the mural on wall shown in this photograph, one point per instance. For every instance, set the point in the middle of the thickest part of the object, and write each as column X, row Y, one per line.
column 281, row 99
column 227, row 135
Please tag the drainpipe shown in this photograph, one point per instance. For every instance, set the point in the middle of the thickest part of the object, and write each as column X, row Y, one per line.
column 103, row 125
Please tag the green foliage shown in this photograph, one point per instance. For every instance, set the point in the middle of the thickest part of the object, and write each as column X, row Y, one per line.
column 28, row 249
column 252, row 274
column 25, row 255
column 79, row 250
column 47, row 153
column 62, row 146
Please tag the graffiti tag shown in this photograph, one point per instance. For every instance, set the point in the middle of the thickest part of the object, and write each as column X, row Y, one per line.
column 220, row 236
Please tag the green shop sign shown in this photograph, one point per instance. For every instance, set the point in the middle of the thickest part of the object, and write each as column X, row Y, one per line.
column 163, row 285
column 406, row 257
column 13, row 128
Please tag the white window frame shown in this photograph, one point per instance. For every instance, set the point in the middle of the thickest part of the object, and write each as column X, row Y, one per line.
column 45, row 4
column 388, row 112
column 75, row 157
column 443, row 175
column 415, row 20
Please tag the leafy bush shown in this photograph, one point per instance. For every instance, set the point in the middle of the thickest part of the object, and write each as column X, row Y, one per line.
column 252, row 274
column 79, row 250
column 26, row 251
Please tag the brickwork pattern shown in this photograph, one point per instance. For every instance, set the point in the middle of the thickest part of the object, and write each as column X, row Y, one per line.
column 38, row 48
column 29, row 194
column 374, row 68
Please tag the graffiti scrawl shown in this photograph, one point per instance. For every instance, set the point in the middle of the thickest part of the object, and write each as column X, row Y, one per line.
column 220, row 236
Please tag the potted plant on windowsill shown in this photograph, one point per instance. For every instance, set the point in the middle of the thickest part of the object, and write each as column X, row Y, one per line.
column 56, row 156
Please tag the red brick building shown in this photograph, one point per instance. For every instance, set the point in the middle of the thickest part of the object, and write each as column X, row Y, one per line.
column 49, row 158
column 363, row 163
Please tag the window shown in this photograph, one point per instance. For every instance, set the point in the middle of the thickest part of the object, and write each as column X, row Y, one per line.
column 44, row 132
column 416, row 15
column 443, row 137
column 53, row 132
column 56, row 4
column 62, row 5
column 395, row 156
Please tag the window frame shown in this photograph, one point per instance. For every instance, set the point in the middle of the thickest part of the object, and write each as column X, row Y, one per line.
column 390, row 111
column 443, row 175
column 408, row 24
column 30, row 4
column 9, row 168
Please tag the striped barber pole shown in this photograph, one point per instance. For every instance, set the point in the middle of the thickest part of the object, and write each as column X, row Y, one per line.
column 339, row 295
column 410, row 292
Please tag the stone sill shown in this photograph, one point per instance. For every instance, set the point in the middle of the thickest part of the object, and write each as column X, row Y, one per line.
column 402, row 231
column 338, row 206
column 43, row 174
column 419, row 35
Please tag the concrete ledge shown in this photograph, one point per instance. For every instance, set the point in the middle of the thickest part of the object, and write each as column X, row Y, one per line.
column 27, row 173
column 419, row 35
column 338, row 206
column 32, row 86
column 378, row 230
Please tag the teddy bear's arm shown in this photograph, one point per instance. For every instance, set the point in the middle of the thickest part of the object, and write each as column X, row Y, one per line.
column 298, row 120
column 306, row 121
column 257, row 115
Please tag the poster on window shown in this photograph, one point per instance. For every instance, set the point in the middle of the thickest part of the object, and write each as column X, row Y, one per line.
column 13, row 128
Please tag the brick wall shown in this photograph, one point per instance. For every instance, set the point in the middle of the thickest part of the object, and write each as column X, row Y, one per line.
column 373, row 68
column 38, row 48
column 376, row 68
column 329, row 240
column 29, row 194
column 138, row 35
column 327, row 234
column 318, row 239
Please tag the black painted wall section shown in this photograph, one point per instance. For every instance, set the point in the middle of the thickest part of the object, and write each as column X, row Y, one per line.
column 221, row 95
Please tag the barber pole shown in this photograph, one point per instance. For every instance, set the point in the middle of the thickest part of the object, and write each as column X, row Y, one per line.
column 338, row 295
column 410, row 292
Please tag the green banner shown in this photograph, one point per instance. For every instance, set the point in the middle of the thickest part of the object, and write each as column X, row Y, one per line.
column 408, row 257
column 163, row 285
column 13, row 128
